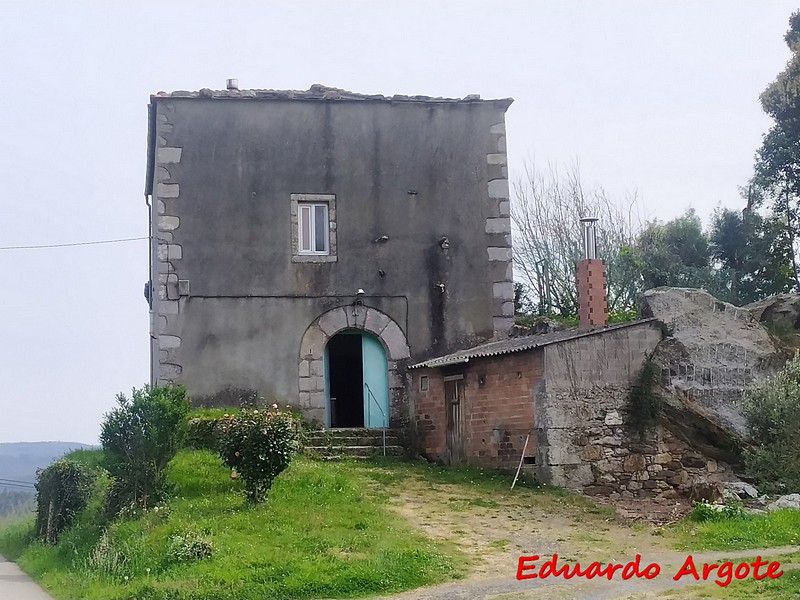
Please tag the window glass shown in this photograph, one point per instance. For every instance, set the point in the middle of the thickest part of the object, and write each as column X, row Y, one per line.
column 305, row 228
column 320, row 227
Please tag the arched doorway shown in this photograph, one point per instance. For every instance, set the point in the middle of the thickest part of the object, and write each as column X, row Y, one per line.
column 381, row 332
column 356, row 380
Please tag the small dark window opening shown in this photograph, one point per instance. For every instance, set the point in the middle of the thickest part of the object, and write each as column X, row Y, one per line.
column 423, row 383
column 529, row 460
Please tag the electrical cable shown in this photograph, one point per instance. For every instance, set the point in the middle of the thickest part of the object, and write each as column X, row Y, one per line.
column 133, row 239
column 16, row 481
column 17, row 486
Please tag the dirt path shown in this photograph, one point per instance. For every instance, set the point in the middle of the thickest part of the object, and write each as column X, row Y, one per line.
column 494, row 530
column 509, row 588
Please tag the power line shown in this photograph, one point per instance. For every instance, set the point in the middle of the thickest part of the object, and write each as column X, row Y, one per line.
column 16, row 481
column 17, row 486
column 133, row 239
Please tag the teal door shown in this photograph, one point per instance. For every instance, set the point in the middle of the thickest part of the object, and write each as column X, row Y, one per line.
column 376, row 382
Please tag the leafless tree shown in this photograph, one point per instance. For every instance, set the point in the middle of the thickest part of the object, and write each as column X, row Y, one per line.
column 546, row 213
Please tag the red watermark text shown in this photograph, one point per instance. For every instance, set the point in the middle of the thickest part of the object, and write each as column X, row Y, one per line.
column 530, row 567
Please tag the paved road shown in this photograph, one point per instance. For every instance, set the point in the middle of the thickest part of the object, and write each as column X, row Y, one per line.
column 15, row 585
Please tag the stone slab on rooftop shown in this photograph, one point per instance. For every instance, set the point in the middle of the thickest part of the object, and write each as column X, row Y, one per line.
column 321, row 92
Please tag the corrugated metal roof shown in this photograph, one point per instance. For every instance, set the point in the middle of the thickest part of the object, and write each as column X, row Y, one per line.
column 519, row 344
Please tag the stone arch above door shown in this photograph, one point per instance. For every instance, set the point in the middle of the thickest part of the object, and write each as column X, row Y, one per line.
column 311, row 382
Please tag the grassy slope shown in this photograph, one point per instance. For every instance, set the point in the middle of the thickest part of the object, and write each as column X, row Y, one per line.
column 319, row 535
column 323, row 533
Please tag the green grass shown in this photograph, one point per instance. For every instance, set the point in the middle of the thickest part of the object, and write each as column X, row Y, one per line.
column 390, row 470
column 785, row 587
column 323, row 533
column 500, row 544
column 776, row 528
column 212, row 413
column 491, row 487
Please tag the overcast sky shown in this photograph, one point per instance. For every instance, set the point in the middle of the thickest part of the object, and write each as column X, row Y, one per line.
column 660, row 98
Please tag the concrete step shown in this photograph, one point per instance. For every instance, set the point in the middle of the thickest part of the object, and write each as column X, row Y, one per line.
column 357, row 451
column 351, row 431
column 377, row 440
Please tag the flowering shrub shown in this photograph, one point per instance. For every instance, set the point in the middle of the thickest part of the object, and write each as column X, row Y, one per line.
column 258, row 445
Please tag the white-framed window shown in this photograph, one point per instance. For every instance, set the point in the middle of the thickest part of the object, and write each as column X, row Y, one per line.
column 313, row 219
column 314, row 228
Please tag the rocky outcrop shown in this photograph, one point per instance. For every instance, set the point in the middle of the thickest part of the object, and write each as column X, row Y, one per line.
column 787, row 501
column 780, row 311
column 711, row 352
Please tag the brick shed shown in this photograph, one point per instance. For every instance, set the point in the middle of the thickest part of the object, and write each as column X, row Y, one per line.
column 565, row 391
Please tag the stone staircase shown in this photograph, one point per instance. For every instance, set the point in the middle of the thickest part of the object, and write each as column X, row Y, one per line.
column 333, row 444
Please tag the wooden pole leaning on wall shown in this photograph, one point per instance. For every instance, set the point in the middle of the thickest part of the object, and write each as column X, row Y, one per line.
column 521, row 458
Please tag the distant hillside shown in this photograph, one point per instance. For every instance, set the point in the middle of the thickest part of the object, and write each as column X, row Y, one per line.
column 19, row 460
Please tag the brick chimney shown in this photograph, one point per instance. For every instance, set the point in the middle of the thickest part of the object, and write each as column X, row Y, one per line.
column 591, row 279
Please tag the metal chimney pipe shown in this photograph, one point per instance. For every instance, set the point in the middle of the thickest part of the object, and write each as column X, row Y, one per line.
column 589, row 233
column 232, row 84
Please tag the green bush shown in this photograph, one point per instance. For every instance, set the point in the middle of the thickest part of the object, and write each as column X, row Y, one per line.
column 772, row 412
column 704, row 512
column 258, row 445
column 62, row 490
column 201, row 433
column 622, row 315
column 139, row 438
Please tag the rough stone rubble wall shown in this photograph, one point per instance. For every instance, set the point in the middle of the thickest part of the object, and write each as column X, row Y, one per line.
column 580, row 412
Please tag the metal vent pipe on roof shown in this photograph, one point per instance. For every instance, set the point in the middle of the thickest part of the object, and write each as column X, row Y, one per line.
column 589, row 233
column 232, row 84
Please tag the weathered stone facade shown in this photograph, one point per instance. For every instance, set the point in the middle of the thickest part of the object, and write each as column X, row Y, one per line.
column 418, row 233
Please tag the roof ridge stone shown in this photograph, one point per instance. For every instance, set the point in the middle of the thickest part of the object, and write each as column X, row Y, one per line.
column 320, row 92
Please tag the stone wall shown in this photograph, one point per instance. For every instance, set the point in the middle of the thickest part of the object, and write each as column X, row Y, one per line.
column 582, row 437
column 661, row 466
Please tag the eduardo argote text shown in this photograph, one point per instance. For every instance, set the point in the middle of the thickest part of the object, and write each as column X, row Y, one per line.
column 529, row 567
